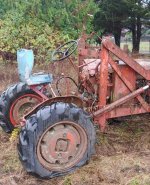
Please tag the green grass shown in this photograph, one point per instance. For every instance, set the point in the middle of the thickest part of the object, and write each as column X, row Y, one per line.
column 144, row 46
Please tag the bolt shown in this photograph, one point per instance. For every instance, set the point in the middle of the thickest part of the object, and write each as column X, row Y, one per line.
column 64, row 135
column 59, row 155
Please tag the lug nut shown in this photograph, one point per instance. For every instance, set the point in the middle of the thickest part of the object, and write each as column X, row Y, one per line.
column 59, row 155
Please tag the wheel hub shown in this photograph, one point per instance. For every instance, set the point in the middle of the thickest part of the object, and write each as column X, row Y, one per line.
column 62, row 146
column 21, row 106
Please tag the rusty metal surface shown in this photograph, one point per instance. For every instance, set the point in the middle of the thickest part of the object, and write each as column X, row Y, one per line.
column 121, row 101
column 145, row 63
column 116, row 81
column 109, row 88
column 66, row 99
column 62, row 146
column 21, row 106
column 120, row 89
column 103, row 85
column 91, row 66
column 128, row 82
column 126, row 58
column 125, row 111
column 39, row 92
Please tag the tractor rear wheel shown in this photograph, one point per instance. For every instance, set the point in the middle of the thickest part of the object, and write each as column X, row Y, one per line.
column 56, row 140
column 14, row 102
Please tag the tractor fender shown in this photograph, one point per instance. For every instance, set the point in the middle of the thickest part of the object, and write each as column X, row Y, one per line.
column 66, row 99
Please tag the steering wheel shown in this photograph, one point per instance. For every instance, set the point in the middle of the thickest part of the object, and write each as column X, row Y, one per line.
column 64, row 51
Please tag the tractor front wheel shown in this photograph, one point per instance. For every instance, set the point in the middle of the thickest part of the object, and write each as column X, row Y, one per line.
column 56, row 140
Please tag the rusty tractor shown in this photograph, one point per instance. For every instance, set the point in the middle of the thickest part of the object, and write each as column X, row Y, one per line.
column 58, row 135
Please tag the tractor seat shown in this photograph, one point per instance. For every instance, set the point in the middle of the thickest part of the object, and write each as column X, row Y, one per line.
column 36, row 78
column 25, row 59
column 39, row 78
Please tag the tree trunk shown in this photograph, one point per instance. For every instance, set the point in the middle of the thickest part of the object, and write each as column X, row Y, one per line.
column 136, row 35
column 117, row 36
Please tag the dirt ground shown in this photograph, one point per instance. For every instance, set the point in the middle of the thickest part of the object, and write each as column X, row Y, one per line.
column 122, row 154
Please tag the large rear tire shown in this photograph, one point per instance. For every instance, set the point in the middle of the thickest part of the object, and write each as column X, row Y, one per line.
column 14, row 102
column 56, row 140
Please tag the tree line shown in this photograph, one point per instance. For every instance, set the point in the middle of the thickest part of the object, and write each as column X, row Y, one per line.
column 42, row 24
column 115, row 15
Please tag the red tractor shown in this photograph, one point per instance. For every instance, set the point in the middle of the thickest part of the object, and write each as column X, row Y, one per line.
column 58, row 135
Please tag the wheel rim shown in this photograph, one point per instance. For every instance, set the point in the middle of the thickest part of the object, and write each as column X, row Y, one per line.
column 62, row 146
column 21, row 106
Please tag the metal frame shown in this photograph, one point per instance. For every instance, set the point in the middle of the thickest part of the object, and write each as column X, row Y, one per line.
column 130, row 101
column 118, row 108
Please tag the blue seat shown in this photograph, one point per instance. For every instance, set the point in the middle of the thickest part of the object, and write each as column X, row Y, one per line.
column 36, row 79
column 25, row 59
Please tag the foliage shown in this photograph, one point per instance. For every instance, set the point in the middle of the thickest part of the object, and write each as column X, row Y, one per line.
column 14, row 134
column 39, row 36
column 138, row 16
column 110, row 17
column 42, row 24
column 117, row 14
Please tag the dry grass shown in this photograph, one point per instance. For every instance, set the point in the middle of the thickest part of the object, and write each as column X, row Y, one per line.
column 122, row 154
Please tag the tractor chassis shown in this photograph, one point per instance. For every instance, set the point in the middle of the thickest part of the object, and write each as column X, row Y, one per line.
column 117, row 97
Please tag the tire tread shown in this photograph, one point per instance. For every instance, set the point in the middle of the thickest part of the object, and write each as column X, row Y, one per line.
column 37, row 124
